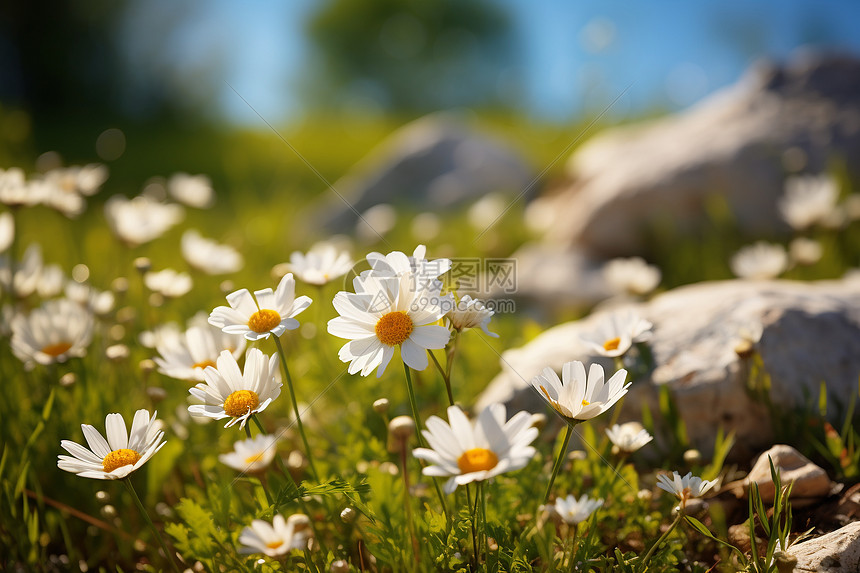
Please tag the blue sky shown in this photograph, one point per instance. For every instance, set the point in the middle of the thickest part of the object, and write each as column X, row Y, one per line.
column 571, row 55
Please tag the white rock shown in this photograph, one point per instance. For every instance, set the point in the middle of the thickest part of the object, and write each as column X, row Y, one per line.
column 739, row 143
column 810, row 482
column 809, row 332
column 836, row 552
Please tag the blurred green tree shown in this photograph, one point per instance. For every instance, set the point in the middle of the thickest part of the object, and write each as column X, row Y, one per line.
column 411, row 55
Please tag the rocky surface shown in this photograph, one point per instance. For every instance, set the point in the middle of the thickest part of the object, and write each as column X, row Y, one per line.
column 835, row 552
column 435, row 162
column 810, row 482
column 739, row 144
column 809, row 332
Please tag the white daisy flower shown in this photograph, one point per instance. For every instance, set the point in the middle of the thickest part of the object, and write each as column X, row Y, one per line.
column 574, row 511
column 631, row 276
column 192, row 190
column 209, row 256
column 77, row 180
column 808, row 200
column 321, row 264
column 805, row 251
column 54, row 332
column 276, row 539
column 684, row 488
column 166, row 333
column 118, row 456
column 50, row 282
column 628, row 437
column 616, row 333
column 140, row 220
column 759, row 261
column 385, row 312
column 251, row 455
column 229, row 392
column 168, row 283
column 577, row 397
column 99, row 302
column 7, row 231
column 272, row 313
column 28, row 271
column 470, row 313
column 15, row 191
column 190, row 353
column 426, row 271
column 470, row 452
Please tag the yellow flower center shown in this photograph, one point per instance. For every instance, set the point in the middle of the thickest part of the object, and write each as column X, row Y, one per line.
column 253, row 459
column 585, row 402
column 611, row 344
column 118, row 458
column 264, row 320
column 274, row 544
column 240, row 403
column 393, row 328
column 477, row 459
column 203, row 365
column 56, row 349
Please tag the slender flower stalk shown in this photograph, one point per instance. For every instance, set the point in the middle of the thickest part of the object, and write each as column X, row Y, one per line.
column 557, row 466
column 151, row 525
column 663, row 538
column 296, row 407
column 411, row 390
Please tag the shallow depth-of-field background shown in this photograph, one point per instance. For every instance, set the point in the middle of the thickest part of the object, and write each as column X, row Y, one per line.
column 269, row 182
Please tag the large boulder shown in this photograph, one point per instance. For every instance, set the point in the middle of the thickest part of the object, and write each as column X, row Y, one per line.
column 739, row 143
column 435, row 162
column 836, row 552
column 809, row 332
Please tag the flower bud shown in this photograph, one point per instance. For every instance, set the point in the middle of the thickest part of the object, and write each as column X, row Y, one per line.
column 381, row 406
column 347, row 515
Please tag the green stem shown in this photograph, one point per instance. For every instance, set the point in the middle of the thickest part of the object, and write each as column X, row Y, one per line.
column 142, row 509
column 411, row 390
column 572, row 559
column 662, row 539
column 558, row 462
column 444, row 376
column 296, row 407
column 248, row 430
column 258, row 424
column 482, row 491
column 472, row 523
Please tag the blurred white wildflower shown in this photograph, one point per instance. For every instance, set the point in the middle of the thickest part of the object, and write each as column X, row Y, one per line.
column 15, row 191
column 186, row 356
column 628, row 437
column 574, row 511
column 808, row 200
column 276, row 539
column 631, row 276
column 487, row 210
column 323, row 263
column 805, row 251
column 759, row 261
column 376, row 222
column 140, row 220
column 192, row 190
column 99, row 302
column 470, row 313
column 251, row 455
column 209, row 256
column 7, row 231
column 54, row 332
column 65, row 188
column 168, row 283
column 426, row 226
column 616, row 333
